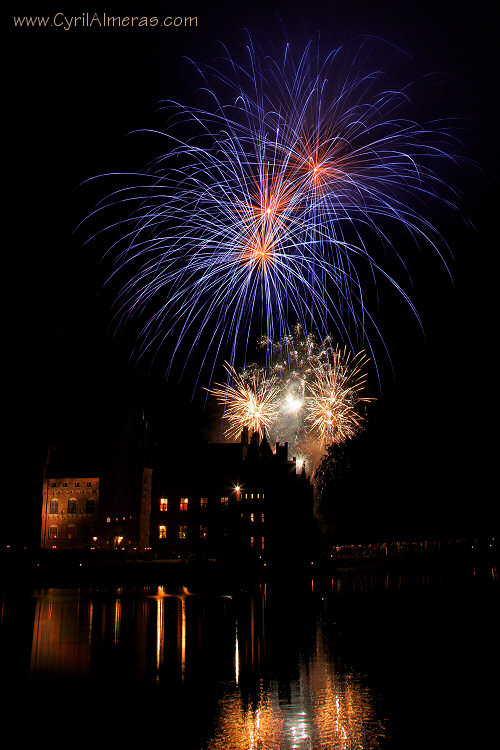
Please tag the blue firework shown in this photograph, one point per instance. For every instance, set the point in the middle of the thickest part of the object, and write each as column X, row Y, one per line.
column 294, row 174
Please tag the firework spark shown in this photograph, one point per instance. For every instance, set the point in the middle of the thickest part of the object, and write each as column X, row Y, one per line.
column 310, row 398
column 250, row 401
column 334, row 396
column 275, row 208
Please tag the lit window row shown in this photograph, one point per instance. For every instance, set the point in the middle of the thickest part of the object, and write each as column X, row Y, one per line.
column 182, row 532
column 254, row 517
column 254, row 542
column 118, row 518
column 90, row 506
column 54, row 532
column 184, row 503
column 252, row 495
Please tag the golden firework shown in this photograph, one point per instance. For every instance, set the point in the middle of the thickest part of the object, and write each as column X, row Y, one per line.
column 334, row 395
column 249, row 400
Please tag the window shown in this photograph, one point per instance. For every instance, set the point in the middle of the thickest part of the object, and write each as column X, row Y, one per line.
column 72, row 506
column 71, row 532
column 90, row 506
column 183, row 532
column 54, row 484
column 77, row 484
column 262, row 543
column 183, row 505
column 203, row 532
column 203, row 503
column 252, row 541
column 108, row 520
column 162, row 532
column 252, row 517
column 54, row 506
column 89, row 484
column 65, row 484
column 262, row 518
column 52, row 532
column 163, row 503
column 224, row 501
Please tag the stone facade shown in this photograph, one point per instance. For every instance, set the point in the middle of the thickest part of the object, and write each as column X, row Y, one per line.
column 70, row 507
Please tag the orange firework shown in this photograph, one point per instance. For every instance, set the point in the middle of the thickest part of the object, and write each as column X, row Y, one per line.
column 250, row 401
column 334, row 396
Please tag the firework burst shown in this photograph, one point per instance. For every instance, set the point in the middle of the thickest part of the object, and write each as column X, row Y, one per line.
column 334, row 397
column 310, row 398
column 274, row 208
column 249, row 400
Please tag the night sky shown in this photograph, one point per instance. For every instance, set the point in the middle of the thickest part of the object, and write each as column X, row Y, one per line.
column 427, row 458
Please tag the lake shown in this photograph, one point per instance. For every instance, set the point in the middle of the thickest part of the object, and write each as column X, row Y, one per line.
column 359, row 659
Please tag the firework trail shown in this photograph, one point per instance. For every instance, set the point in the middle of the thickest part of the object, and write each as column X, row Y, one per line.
column 275, row 208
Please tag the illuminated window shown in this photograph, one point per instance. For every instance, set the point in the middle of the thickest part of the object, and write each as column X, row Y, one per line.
column 183, row 529
column 262, row 518
column 252, row 541
column 224, row 501
column 52, row 532
column 203, row 503
column 163, row 503
column 258, row 495
column 263, row 496
column 183, row 505
column 71, row 532
column 108, row 520
column 252, row 517
column 54, row 506
column 90, row 506
column 162, row 532
column 203, row 532
column 251, row 496
column 72, row 506
column 262, row 543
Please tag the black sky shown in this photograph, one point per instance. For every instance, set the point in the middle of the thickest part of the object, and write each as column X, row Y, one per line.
column 72, row 98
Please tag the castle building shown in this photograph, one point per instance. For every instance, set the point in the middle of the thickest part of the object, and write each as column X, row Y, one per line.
column 70, row 507
column 242, row 501
column 77, row 515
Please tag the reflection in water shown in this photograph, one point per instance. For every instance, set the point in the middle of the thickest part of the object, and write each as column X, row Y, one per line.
column 268, row 653
column 61, row 642
column 325, row 709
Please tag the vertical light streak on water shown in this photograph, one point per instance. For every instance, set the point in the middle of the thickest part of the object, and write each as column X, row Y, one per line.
column 236, row 656
column 91, row 620
column 117, row 621
column 160, row 630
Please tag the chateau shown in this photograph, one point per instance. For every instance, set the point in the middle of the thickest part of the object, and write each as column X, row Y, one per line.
column 237, row 501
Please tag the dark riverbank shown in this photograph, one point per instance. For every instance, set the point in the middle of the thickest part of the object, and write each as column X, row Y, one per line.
column 27, row 569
